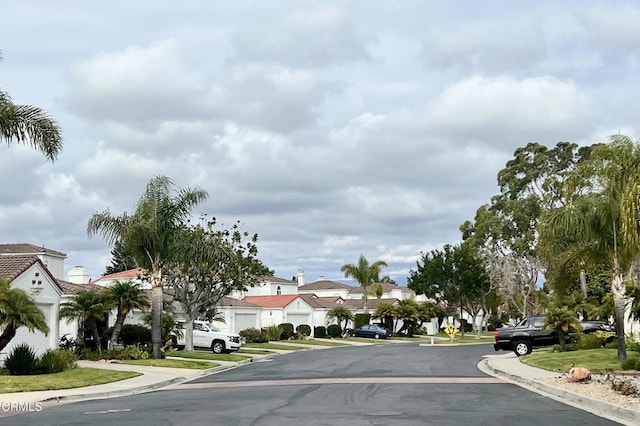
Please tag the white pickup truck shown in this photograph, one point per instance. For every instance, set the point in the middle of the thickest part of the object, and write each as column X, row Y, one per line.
column 207, row 335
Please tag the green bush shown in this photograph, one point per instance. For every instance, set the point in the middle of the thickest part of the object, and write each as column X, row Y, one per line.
column 131, row 334
column 22, row 361
column 556, row 348
column 334, row 330
column 287, row 330
column 303, row 331
column 57, row 361
column 588, row 341
column 251, row 335
column 612, row 344
column 320, row 331
column 90, row 355
column 272, row 333
column 631, row 363
column 633, row 346
column 361, row 319
column 134, row 352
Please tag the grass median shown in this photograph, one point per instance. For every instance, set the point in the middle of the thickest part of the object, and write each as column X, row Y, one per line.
column 598, row 361
column 75, row 378
column 208, row 356
column 170, row 363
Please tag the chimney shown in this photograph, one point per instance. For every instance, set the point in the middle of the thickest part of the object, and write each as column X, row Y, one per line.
column 78, row 275
column 300, row 277
column 322, row 278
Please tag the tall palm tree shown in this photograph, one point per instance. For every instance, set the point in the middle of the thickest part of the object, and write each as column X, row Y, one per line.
column 126, row 296
column 88, row 307
column 364, row 274
column 340, row 314
column 386, row 313
column 29, row 125
column 149, row 235
column 599, row 225
column 18, row 309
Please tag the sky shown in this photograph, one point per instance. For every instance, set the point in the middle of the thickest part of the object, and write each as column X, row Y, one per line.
column 331, row 129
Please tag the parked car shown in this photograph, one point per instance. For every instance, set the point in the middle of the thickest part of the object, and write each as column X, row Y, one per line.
column 371, row 330
column 207, row 335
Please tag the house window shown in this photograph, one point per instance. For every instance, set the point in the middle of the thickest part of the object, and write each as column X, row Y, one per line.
column 278, row 291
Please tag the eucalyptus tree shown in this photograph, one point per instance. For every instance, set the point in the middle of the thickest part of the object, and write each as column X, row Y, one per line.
column 149, row 235
column 365, row 274
column 88, row 307
column 126, row 296
column 600, row 224
column 18, row 309
column 210, row 263
column 29, row 125
column 505, row 230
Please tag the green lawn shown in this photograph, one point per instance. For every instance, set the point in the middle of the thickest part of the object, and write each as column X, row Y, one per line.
column 208, row 356
column 273, row 346
column 75, row 378
column 170, row 363
column 256, row 351
column 596, row 360
column 319, row 342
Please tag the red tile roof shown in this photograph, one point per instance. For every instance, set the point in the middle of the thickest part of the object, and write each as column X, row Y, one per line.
column 24, row 248
column 319, row 302
column 271, row 279
column 230, row 301
column 72, row 288
column 12, row 266
column 128, row 274
column 279, row 301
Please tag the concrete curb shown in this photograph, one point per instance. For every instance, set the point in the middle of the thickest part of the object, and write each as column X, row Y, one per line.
column 594, row 406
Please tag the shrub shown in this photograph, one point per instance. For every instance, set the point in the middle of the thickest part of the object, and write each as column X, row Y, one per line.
column 90, row 355
column 612, row 344
column 287, row 330
column 361, row 319
column 71, row 344
column 22, row 361
column 250, row 335
column 320, row 331
column 303, row 331
column 633, row 346
column 631, row 364
column 273, row 332
column 57, row 361
column 588, row 341
column 112, row 354
column 334, row 330
column 131, row 334
column 556, row 348
column 134, row 352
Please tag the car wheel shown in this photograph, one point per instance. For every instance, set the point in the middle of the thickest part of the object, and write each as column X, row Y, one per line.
column 376, row 336
column 180, row 347
column 217, row 347
column 522, row 347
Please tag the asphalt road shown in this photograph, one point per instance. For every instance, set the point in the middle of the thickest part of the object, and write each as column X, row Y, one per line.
column 387, row 384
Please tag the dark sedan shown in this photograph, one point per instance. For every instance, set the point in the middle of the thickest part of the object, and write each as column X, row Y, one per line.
column 371, row 330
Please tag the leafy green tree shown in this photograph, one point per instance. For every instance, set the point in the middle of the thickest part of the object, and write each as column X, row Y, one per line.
column 376, row 290
column 18, row 309
column 149, row 235
column 29, row 125
column 89, row 307
column 341, row 314
column 564, row 320
column 209, row 264
column 365, row 274
column 407, row 312
column 126, row 296
column 599, row 227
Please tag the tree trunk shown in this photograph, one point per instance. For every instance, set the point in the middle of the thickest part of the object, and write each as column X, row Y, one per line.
column 563, row 341
column 117, row 328
column 366, row 300
column 618, row 290
column 156, row 312
column 6, row 336
column 188, row 334
column 96, row 336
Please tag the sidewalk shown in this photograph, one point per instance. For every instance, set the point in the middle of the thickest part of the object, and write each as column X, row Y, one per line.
column 509, row 367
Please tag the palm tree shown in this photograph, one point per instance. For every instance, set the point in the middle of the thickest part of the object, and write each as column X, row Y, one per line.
column 29, row 125
column 376, row 290
column 364, row 274
column 564, row 321
column 599, row 225
column 88, row 307
column 386, row 313
column 340, row 314
column 18, row 309
column 126, row 296
column 149, row 235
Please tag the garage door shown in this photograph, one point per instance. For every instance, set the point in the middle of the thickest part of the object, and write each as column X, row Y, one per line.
column 299, row 319
column 244, row 321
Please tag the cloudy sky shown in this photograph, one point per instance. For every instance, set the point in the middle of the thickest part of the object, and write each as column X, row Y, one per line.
column 329, row 128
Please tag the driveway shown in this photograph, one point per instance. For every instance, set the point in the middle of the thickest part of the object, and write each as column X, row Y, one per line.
column 399, row 384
